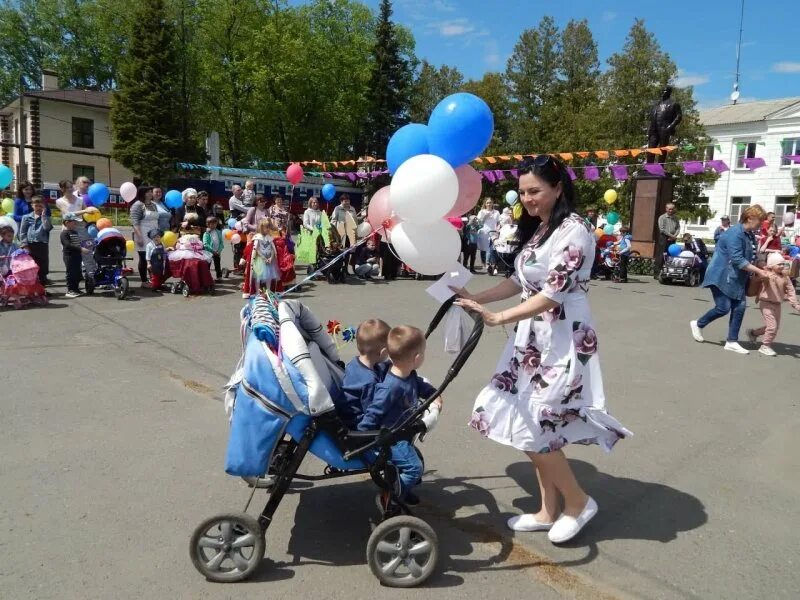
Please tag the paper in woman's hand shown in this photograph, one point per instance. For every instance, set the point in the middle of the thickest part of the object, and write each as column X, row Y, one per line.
column 457, row 277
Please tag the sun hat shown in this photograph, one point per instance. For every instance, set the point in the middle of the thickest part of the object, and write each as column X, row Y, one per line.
column 774, row 259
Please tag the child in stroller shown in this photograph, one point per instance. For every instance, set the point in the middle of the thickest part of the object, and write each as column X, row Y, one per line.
column 109, row 256
column 282, row 398
column 191, row 266
column 20, row 286
column 334, row 272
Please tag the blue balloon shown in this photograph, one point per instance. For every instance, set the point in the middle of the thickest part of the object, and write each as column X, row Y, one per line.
column 612, row 218
column 675, row 249
column 231, row 223
column 329, row 191
column 460, row 128
column 92, row 230
column 608, row 230
column 6, row 176
column 98, row 194
column 408, row 141
column 173, row 199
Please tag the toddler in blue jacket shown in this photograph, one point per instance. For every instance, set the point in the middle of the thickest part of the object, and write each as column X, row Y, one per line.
column 363, row 372
column 398, row 394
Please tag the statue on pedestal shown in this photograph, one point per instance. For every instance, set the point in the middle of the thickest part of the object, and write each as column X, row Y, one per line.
column 665, row 116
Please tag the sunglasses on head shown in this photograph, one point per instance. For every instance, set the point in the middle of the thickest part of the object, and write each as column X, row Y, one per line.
column 541, row 162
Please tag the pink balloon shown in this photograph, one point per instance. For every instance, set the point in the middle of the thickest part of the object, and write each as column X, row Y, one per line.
column 294, row 173
column 379, row 209
column 456, row 222
column 470, row 186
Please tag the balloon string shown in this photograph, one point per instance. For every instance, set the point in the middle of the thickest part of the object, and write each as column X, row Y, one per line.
column 330, row 264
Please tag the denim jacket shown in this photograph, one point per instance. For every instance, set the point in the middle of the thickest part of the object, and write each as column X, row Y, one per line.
column 35, row 229
column 734, row 251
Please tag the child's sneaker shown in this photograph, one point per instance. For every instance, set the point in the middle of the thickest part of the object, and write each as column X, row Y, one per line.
column 72, row 295
column 751, row 335
column 767, row 351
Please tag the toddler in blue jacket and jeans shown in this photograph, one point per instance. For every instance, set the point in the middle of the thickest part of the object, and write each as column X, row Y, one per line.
column 364, row 372
column 396, row 396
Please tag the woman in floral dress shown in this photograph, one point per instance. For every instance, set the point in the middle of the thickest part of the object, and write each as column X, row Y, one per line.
column 547, row 390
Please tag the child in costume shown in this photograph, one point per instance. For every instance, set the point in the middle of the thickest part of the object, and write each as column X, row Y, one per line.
column 261, row 262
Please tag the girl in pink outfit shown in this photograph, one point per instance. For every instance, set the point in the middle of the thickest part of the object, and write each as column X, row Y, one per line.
column 771, row 294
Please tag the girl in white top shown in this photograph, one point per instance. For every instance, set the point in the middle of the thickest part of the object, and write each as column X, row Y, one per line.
column 489, row 220
column 70, row 203
column 312, row 215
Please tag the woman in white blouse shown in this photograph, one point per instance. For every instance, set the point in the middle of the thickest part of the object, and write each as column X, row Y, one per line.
column 312, row 216
column 72, row 203
column 489, row 221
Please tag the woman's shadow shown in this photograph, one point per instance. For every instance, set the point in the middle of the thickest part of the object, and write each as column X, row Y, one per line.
column 629, row 508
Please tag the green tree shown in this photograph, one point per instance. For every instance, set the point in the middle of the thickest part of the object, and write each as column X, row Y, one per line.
column 494, row 92
column 531, row 75
column 430, row 86
column 146, row 135
column 390, row 85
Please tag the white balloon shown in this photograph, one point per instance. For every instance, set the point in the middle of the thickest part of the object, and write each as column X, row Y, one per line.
column 429, row 249
column 236, row 238
column 363, row 230
column 6, row 221
column 128, row 191
column 424, row 189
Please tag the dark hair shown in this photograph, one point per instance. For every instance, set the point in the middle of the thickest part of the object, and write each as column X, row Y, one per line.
column 552, row 171
column 22, row 186
column 64, row 184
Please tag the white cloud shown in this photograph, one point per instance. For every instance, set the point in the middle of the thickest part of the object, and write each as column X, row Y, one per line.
column 608, row 16
column 786, row 67
column 685, row 79
column 443, row 6
column 455, row 27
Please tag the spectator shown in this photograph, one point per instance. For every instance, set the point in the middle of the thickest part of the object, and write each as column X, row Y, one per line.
column 469, row 242
column 591, row 217
column 312, row 217
column 338, row 216
column 489, row 221
column 75, row 205
column 7, row 248
column 668, row 228
column 146, row 216
column 191, row 217
column 212, row 209
column 72, row 251
column 368, row 262
column 22, row 203
column 34, row 235
column 236, row 203
column 249, row 193
column 724, row 225
column 213, row 242
column 82, row 189
column 770, row 241
column 279, row 215
column 255, row 215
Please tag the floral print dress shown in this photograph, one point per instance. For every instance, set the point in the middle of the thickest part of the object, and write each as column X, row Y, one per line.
column 547, row 390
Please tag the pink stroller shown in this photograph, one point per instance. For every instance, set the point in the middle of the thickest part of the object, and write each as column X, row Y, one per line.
column 21, row 286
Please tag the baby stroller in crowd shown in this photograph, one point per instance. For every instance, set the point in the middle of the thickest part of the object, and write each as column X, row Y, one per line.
column 191, row 266
column 610, row 261
column 282, row 397
column 504, row 252
column 109, row 256
column 21, row 287
column 687, row 268
column 334, row 271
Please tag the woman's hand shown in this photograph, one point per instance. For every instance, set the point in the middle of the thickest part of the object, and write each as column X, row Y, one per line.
column 462, row 292
column 489, row 318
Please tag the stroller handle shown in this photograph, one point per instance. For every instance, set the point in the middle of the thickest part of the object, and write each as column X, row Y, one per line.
column 387, row 436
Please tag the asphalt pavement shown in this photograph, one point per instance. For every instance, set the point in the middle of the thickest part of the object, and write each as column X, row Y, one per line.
column 112, row 442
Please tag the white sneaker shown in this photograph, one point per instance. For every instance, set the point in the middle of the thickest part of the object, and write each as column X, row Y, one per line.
column 528, row 522
column 751, row 335
column 697, row 333
column 72, row 295
column 767, row 351
column 565, row 528
column 735, row 347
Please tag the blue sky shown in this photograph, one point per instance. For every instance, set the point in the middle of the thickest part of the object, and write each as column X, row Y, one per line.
column 700, row 35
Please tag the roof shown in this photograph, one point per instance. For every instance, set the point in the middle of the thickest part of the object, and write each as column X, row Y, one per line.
column 85, row 97
column 747, row 112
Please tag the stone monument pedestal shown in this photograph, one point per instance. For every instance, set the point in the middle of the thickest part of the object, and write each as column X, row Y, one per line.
column 651, row 194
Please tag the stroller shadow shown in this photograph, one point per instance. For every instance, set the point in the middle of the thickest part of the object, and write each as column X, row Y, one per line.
column 629, row 508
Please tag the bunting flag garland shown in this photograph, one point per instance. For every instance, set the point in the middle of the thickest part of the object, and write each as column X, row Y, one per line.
column 620, row 172
column 754, row 163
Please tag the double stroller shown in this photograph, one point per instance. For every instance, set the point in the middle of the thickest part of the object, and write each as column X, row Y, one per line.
column 21, row 287
column 282, row 399
column 109, row 256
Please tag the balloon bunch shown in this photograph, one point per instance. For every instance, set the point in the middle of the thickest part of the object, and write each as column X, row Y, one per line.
column 432, row 182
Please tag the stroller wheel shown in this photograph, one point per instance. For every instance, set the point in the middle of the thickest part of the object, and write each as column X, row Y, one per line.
column 403, row 551
column 227, row 548
column 89, row 283
column 174, row 288
column 185, row 290
column 122, row 288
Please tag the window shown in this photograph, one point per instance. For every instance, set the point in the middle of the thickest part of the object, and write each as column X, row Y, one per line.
column 744, row 150
column 708, row 152
column 790, row 147
column 82, row 171
column 782, row 203
column 702, row 207
column 738, row 204
column 82, row 133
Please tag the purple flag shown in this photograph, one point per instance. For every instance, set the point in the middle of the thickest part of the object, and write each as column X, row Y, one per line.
column 515, row 173
column 754, row 163
column 352, row 177
column 591, row 174
column 794, row 158
column 328, row 175
column 499, row 174
column 571, row 173
column 620, row 172
column 489, row 175
column 693, row 167
column 718, row 165
column 655, row 169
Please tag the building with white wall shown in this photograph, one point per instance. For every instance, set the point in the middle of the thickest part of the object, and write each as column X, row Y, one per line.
column 66, row 133
column 768, row 129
